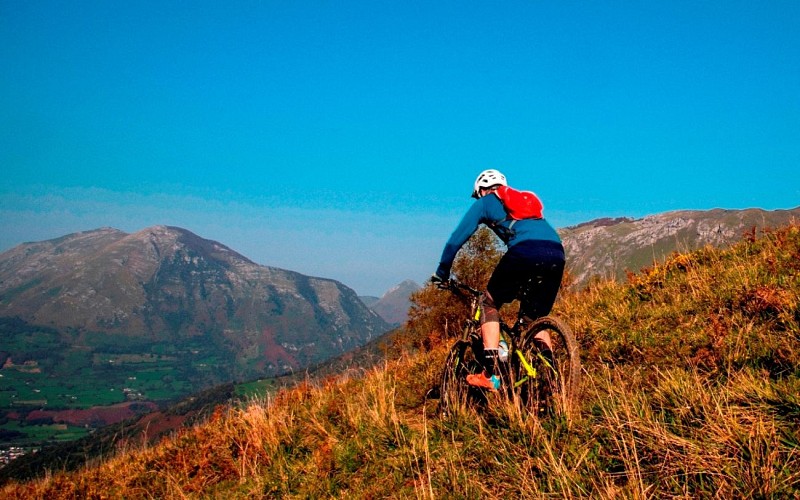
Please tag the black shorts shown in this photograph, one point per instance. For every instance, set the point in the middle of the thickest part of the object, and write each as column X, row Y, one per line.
column 530, row 271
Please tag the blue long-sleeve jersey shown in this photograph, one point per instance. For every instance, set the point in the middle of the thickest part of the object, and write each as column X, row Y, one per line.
column 489, row 210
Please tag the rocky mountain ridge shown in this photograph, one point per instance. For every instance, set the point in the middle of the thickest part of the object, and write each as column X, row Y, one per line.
column 609, row 248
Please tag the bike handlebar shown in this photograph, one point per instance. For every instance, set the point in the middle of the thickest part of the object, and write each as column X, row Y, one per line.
column 455, row 286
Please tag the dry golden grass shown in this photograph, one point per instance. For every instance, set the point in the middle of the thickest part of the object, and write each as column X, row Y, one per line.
column 691, row 390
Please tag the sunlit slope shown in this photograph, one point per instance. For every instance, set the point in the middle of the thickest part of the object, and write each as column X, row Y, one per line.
column 691, row 390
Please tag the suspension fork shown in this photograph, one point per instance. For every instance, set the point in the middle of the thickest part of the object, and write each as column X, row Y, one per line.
column 528, row 369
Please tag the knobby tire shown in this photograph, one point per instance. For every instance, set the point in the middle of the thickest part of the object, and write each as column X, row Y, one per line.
column 550, row 383
column 454, row 391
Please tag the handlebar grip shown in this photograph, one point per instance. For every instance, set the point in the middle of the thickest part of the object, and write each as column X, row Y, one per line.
column 455, row 286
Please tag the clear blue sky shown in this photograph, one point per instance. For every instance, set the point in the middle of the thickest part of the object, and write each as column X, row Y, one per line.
column 341, row 138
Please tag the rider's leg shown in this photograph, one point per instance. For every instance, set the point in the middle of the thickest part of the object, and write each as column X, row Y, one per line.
column 544, row 337
column 490, row 332
column 490, row 321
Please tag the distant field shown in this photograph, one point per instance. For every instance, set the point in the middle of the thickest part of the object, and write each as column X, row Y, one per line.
column 40, row 371
column 34, row 436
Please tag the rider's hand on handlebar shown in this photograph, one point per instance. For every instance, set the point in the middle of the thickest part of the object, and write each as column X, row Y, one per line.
column 439, row 281
column 445, row 284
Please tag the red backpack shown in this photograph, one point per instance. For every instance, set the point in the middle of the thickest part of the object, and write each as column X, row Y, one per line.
column 520, row 204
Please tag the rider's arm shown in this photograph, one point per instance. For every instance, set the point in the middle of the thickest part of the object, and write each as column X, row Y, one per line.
column 468, row 225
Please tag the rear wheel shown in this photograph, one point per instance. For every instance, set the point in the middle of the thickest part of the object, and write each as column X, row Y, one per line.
column 454, row 392
column 546, row 381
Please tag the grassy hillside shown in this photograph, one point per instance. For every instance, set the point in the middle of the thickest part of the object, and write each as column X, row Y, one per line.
column 691, row 389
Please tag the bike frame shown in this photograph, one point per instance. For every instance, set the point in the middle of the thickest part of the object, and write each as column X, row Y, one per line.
column 472, row 331
column 542, row 377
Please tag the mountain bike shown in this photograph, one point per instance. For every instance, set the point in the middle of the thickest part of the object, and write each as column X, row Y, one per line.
column 540, row 379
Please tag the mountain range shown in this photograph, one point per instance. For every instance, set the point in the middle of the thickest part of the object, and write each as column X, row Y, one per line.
column 196, row 298
column 104, row 320
column 612, row 247
column 393, row 305
column 168, row 284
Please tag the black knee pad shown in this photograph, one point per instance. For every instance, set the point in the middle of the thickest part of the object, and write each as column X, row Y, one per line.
column 488, row 309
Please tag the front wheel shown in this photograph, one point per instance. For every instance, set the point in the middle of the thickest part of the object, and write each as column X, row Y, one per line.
column 454, row 392
column 546, row 368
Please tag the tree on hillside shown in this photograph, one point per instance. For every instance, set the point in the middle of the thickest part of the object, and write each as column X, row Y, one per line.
column 437, row 314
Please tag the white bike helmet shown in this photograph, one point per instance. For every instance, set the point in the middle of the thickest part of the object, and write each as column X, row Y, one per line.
column 487, row 179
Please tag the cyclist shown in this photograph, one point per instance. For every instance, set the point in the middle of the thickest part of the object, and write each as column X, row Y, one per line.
column 531, row 269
